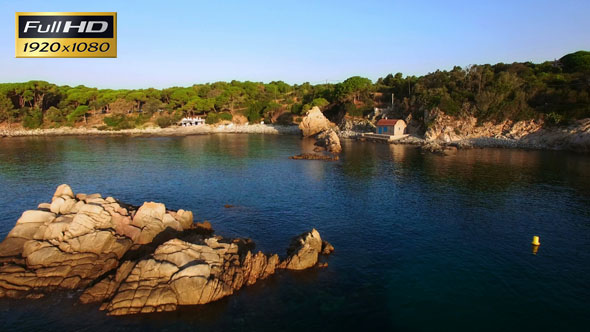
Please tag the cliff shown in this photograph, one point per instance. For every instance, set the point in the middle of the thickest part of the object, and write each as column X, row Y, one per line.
column 467, row 131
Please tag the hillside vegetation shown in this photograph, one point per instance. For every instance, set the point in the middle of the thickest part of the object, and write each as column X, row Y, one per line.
column 556, row 91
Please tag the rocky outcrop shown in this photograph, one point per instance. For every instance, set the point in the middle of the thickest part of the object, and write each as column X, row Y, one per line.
column 73, row 240
column 314, row 122
column 134, row 259
column 466, row 131
column 181, row 273
column 353, row 127
column 317, row 125
column 303, row 252
column 446, row 128
column 329, row 140
column 196, row 270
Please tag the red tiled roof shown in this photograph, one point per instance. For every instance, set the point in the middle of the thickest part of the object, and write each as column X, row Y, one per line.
column 387, row 122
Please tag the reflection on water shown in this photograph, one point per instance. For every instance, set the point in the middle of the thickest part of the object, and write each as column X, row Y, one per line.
column 422, row 241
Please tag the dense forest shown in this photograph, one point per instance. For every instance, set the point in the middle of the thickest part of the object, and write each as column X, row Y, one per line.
column 556, row 91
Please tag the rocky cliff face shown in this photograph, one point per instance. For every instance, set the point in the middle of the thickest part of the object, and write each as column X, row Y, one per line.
column 351, row 127
column 133, row 260
column 446, row 128
column 531, row 134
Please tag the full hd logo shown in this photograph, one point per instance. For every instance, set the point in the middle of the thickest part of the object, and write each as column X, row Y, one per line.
column 66, row 35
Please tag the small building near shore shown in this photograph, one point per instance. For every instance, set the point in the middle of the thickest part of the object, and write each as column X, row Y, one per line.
column 392, row 127
column 192, row 121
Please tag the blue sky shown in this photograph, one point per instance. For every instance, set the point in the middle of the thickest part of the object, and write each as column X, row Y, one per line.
column 179, row 43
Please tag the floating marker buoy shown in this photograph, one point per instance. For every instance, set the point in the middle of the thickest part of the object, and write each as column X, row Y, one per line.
column 536, row 241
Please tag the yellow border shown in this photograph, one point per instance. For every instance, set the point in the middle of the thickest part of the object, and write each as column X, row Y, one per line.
column 16, row 38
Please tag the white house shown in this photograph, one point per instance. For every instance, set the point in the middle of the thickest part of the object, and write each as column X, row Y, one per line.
column 192, row 121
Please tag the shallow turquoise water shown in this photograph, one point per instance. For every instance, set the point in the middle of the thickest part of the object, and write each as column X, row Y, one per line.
column 423, row 242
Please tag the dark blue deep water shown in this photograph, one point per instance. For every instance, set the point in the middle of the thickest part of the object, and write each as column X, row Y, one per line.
column 423, row 242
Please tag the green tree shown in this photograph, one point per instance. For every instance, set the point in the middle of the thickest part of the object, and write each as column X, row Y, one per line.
column 77, row 114
column 6, row 107
column 576, row 62
column 353, row 87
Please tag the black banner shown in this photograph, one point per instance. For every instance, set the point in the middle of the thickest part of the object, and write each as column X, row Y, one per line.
column 65, row 27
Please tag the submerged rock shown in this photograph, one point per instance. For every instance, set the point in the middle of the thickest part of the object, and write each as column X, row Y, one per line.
column 313, row 156
column 134, row 260
column 437, row 148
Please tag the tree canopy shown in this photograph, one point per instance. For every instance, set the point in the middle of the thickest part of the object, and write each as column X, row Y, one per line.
column 557, row 90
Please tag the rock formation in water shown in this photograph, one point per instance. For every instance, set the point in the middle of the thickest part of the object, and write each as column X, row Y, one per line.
column 314, row 156
column 315, row 124
column 134, row 260
column 329, row 140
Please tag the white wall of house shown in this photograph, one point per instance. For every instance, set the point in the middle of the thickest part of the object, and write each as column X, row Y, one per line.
column 399, row 128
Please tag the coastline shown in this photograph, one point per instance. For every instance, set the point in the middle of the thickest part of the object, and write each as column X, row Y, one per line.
column 555, row 140
column 156, row 131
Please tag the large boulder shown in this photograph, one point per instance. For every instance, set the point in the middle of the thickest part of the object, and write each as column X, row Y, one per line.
column 78, row 240
column 314, row 122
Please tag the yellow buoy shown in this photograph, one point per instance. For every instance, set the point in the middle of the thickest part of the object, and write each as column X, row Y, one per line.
column 536, row 241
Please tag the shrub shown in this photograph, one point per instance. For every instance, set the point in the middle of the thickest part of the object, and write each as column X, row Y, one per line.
column 33, row 119
column 352, row 110
column 141, row 119
column 320, row 102
column 296, row 108
column 118, row 122
column 225, row 116
column 56, row 115
column 164, row 121
column 554, row 118
column 449, row 106
column 212, row 118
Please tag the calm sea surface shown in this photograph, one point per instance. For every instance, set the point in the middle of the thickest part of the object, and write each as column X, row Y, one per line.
column 423, row 242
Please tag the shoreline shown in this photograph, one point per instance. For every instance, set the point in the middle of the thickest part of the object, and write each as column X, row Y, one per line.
column 546, row 144
column 155, row 131
column 560, row 143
